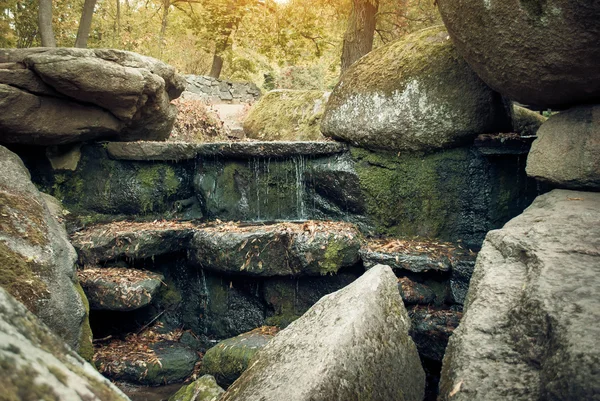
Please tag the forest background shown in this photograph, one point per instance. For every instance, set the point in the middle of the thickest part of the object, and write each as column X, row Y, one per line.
column 291, row 44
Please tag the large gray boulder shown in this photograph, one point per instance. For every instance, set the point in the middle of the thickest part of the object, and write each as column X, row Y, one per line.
column 542, row 53
column 36, row 365
column 351, row 345
column 530, row 331
column 414, row 94
column 62, row 95
column 567, row 151
column 37, row 262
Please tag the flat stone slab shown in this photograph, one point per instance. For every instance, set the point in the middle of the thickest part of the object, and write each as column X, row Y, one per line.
column 247, row 149
column 131, row 240
column 503, row 144
column 119, row 289
column 146, row 362
column 151, row 151
column 284, row 249
column 431, row 328
column 417, row 256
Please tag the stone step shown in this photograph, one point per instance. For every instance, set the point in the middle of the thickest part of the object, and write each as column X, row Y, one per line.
column 119, row 289
column 129, row 240
column 310, row 248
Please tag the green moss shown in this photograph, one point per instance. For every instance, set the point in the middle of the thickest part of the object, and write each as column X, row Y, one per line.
column 21, row 277
column 169, row 295
column 152, row 179
column 86, row 348
column 18, row 383
column 22, row 216
column 281, row 320
column 287, row 115
column 59, row 374
column 413, row 194
column 428, row 52
column 334, row 256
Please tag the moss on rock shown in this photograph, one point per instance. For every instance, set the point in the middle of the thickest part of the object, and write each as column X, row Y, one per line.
column 22, row 216
column 287, row 115
column 416, row 94
column 21, row 277
column 86, row 348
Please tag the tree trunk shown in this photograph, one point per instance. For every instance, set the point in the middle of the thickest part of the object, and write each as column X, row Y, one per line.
column 220, row 47
column 163, row 25
column 45, row 23
column 85, row 23
column 358, row 38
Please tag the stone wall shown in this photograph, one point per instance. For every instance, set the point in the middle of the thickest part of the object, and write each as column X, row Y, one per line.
column 220, row 91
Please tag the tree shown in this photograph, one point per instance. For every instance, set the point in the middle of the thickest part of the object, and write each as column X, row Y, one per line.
column 45, row 23
column 358, row 39
column 85, row 23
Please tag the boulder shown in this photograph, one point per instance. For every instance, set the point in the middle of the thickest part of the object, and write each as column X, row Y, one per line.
column 414, row 94
column 37, row 262
column 530, row 329
column 119, row 289
column 351, row 344
column 526, row 122
column 289, row 115
column 63, row 95
column 203, row 389
column 159, row 363
column 35, row 364
column 547, row 55
column 227, row 360
column 285, row 249
column 566, row 153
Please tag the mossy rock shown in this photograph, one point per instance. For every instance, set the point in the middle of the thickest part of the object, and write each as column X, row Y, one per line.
column 35, row 364
column 526, row 122
column 227, row 360
column 37, row 262
column 414, row 94
column 203, row 389
column 287, row 115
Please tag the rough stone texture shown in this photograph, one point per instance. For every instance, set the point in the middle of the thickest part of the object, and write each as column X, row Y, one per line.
column 567, row 151
column 73, row 95
column 530, row 329
column 151, row 151
column 546, row 56
column 176, row 364
column 203, row 389
column 289, row 115
column 525, row 121
column 351, row 345
column 219, row 90
column 130, row 241
column 413, row 292
column 37, row 262
column 286, row 249
column 227, row 360
column 118, row 289
column 35, row 364
column 414, row 94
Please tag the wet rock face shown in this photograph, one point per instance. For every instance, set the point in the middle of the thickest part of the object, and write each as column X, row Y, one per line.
column 36, row 364
column 415, row 94
column 360, row 332
column 62, row 95
column 530, row 327
column 567, row 151
column 546, row 56
column 37, row 262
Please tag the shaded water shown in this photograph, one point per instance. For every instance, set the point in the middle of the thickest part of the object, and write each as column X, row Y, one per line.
column 145, row 393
